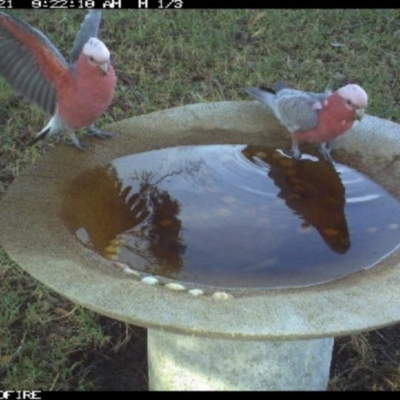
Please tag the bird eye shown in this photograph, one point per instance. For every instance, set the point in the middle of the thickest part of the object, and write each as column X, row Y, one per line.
column 91, row 58
column 349, row 102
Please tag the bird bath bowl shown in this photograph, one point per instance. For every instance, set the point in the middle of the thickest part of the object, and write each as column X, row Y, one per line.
column 115, row 230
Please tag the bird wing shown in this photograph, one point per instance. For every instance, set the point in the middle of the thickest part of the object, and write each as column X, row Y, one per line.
column 29, row 62
column 298, row 110
column 89, row 28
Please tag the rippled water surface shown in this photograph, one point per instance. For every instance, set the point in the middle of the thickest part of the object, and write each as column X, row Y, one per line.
column 233, row 215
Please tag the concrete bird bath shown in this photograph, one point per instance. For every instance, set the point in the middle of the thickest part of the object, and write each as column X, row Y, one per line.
column 205, row 336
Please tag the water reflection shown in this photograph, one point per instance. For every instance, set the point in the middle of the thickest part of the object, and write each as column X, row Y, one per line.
column 233, row 215
column 312, row 189
column 107, row 214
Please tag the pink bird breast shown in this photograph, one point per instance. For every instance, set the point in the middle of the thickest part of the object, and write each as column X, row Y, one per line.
column 87, row 94
column 334, row 119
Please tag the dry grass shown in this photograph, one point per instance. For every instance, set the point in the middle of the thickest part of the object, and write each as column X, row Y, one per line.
column 165, row 59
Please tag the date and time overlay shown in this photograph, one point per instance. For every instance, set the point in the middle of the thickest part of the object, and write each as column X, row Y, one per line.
column 88, row 4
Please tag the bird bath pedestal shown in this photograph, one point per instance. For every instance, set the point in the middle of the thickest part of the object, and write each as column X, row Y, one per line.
column 199, row 337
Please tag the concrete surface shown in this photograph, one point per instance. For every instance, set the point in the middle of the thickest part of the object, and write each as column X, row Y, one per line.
column 183, row 362
column 34, row 236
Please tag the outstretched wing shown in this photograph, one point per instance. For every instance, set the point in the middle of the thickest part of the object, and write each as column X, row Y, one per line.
column 89, row 28
column 29, row 62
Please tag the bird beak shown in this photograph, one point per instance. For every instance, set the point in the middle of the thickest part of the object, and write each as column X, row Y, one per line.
column 104, row 67
column 359, row 114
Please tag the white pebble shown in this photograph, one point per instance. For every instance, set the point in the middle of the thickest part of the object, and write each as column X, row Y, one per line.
column 222, row 296
column 196, row 292
column 175, row 286
column 120, row 265
column 149, row 280
column 131, row 271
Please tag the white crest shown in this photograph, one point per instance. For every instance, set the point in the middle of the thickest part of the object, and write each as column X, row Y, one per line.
column 356, row 94
column 96, row 49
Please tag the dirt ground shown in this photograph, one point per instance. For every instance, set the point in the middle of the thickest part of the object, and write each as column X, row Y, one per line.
column 351, row 368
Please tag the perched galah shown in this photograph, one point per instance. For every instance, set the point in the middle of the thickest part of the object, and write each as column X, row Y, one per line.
column 314, row 117
column 75, row 94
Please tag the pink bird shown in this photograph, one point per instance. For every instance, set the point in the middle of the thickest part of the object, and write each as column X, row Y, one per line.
column 314, row 117
column 74, row 94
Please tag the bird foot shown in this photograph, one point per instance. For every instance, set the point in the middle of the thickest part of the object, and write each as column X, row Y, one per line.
column 325, row 150
column 74, row 141
column 296, row 153
column 93, row 131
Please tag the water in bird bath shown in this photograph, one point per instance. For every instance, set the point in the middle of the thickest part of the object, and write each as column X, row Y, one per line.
column 233, row 216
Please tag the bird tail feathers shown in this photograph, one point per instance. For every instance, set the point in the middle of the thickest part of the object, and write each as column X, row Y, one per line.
column 267, row 96
column 40, row 136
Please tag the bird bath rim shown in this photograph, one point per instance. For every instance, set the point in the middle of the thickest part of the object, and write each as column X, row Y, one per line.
column 58, row 260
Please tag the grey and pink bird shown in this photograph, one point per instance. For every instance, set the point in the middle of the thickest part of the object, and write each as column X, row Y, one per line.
column 75, row 94
column 314, row 117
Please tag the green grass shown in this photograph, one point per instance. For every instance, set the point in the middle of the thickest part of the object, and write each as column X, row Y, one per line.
column 165, row 59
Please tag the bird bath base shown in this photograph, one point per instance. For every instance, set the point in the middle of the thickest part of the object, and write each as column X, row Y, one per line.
column 204, row 337
column 185, row 362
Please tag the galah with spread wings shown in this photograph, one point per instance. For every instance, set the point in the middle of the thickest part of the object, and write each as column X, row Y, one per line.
column 314, row 117
column 75, row 94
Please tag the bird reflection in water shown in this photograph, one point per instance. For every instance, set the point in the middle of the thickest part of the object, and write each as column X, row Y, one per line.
column 312, row 189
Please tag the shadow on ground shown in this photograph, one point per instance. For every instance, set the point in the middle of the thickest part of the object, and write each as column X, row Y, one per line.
column 124, row 366
column 366, row 361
